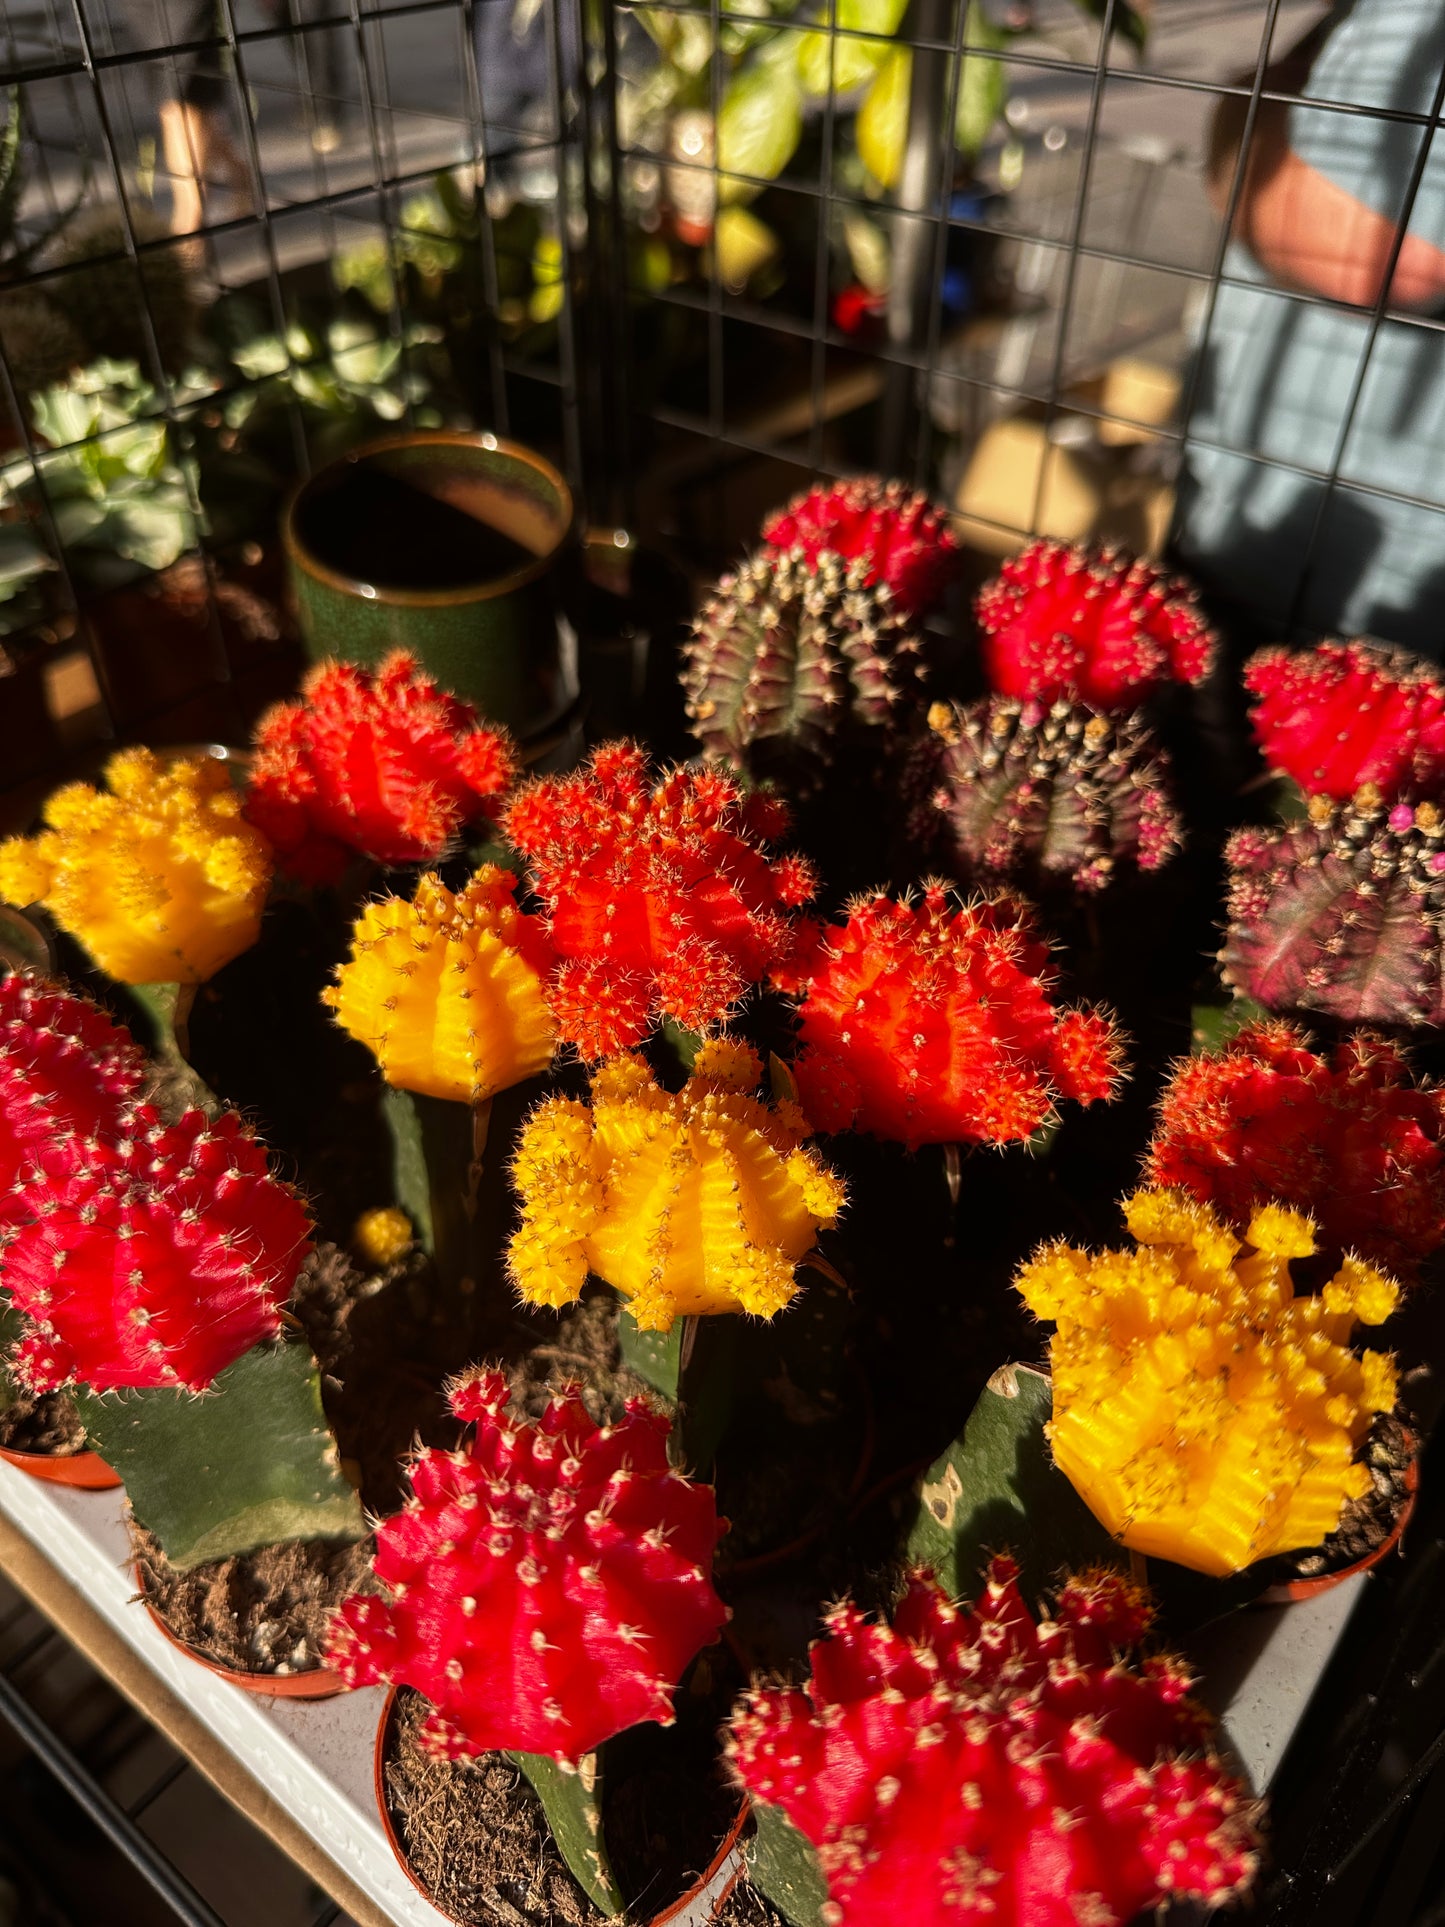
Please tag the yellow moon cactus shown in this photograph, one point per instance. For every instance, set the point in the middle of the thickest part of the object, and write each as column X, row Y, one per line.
column 702, row 1201
column 160, row 877
column 1204, row 1412
column 447, row 992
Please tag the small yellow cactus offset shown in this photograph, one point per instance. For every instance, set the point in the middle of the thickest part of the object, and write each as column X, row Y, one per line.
column 381, row 1236
column 1205, row 1413
column 447, row 991
column 698, row 1202
column 160, row 876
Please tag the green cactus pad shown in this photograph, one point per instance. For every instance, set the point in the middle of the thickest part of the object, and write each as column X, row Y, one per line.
column 572, row 1801
column 783, row 1866
column 249, row 1463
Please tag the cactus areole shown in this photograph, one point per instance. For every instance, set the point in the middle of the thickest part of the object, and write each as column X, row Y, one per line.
column 901, row 538
column 385, row 765
column 794, row 659
column 1091, row 625
column 545, row 1586
column 929, row 1021
column 971, row 1767
column 663, row 896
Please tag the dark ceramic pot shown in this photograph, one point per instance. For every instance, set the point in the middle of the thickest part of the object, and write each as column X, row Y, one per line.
column 497, row 638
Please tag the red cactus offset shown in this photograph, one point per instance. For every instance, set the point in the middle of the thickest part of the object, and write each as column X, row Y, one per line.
column 547, row 1585
column 1089, row 623
column 156, row 1257
column 386, row 764
column 663, row 896
column 1350, row 1140
column 970, row 1768
column 65, row 1071
column 1346, row 714
column 906, row 540
column 929, row 1021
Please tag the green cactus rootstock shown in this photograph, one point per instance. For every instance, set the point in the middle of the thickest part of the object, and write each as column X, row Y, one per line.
column 571, row 1798
column 214, row 1474
column 791, row 660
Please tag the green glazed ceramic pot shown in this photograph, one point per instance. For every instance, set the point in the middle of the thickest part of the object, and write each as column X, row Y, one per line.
column 491, row 524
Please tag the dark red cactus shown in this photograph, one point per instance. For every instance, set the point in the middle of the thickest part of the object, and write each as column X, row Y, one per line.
column 929, row 1022
column 1350, row 1140
column 1346, row 714
column 970, row 1768
column 1040, row 796
column 65, row 1071
column 1343, row 913
column 1091, row 624
column 154, row 1258
column 663, row 896
column 906, row 540
column 547, row 1585
column 387, row 765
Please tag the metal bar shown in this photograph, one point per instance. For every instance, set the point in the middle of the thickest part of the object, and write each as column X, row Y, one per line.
column 178, row 1894
column 157, row 1787
column 947, row 168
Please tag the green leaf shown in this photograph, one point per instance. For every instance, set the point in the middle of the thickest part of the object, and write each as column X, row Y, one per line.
column 783, row 1866
column 758, row 125
column 571, row 1798
column 653, row 1356
column 853, row 61
column 249, row 1463
column 1214, row 1026
column 997, row 1489
column 882, row 127
column 982, row 85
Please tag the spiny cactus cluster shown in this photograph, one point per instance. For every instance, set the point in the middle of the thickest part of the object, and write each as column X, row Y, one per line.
column 1090, row 624
column 966, row 1767
column 695, row 1203
column 1342, row 913
column 1203, row 1411
column 66, row 1071
column 160, row 877
column 152, row 1257
column 929, row 1021
column 545, row 1586
column 99, row 293
column 1041, row 796
column 387, row 765
column 904, row 540
column 1351, row 1139
column 663, row 896
column 1347, row 714
column 793, row 658
column 448, row 991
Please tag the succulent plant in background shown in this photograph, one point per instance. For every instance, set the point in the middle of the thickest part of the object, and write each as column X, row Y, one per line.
column 118, row 493
column 663, row 896
column 696, row 1203
column 929, row 1021
column 448, row 993
column 1040, row 796
column 544, row 1588
column 796, row 659
column 968, row 1765
column 904, row 539
column 1350, row 1139
column 40, row 341
column 25, row 562
column 1342, row 913
column 1204, row 1412
column 150, row 1262
column 99, row 294
column 386, row 765
column 1089, row 624
column 65, row 1068
column 1347, row 714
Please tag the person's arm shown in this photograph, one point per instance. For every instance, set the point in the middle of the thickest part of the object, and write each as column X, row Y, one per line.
column 1304, row 230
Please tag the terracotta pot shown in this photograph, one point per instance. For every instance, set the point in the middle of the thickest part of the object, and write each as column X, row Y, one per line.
column 685, row 1911
column 87, row 1471
column 318, row 1684
column 1294, row 1591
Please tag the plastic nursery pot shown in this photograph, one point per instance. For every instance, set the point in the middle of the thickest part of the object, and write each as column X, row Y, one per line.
column 695, row 1908
column 458, row 548
column 317, row 1684
column 1295, row 1591
column 87, row 1471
